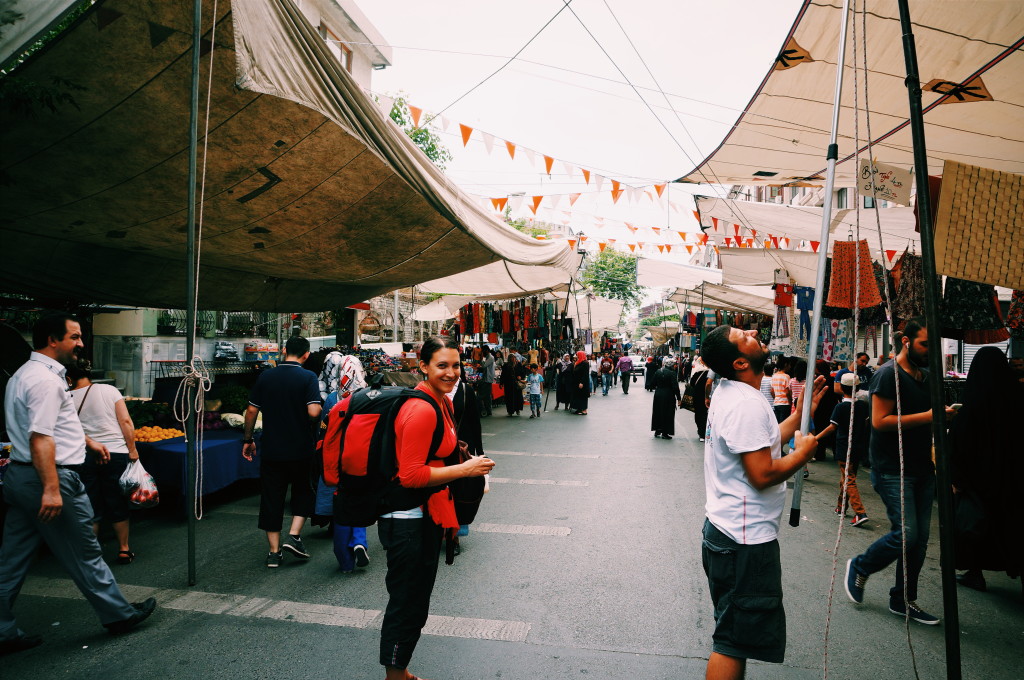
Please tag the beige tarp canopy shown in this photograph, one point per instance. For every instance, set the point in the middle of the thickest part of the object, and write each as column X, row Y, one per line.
column 313, row 198
column 783, row 132
column 732, row 298
column 504, row 280
column 597, row 313
column 665, row 274
column 756, row 266
column 804, row 222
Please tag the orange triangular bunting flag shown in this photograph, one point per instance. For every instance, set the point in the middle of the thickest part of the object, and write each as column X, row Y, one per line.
column 571, row 242
column 714, row 223
column 661, row 248
column 753, row 232
column 659, row 188
column 536, row 203
column 601, row 246
column 814, row 245
column 703, row 239
column 750, row 243
column 728, row 240
column 682, row 235
column 632, row 247
column 548, row 162
column 890, row 254
column 586, row 175
column 616, row 193
column 775, row 241
column 689, row 249
column 573, row 198
column 416, row 113
column 656, row 230
column 583, row 238
column 696, row 215
column 631, row 228
column 615, row 185
column 736, row 229
column 499, row 203
column 466, row 132
column 668, row 247
column 511, row 149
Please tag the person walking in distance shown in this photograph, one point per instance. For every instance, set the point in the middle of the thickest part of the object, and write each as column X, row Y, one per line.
column 45, row 496
column 907, row 435
column 534, row 389
column 289, row 397
column 666, row 397
column 849, row 454
column 412, row 538
column 486, row 382
column 625, row 368
column 607, row 367
column 780, row 389
column 744, row 479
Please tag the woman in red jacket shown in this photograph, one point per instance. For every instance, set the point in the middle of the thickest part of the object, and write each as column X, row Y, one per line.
column 412, row 538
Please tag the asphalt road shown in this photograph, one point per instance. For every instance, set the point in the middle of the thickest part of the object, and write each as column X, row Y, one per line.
column 583, row 562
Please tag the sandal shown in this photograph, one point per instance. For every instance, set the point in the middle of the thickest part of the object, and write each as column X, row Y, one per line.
column 125, row 557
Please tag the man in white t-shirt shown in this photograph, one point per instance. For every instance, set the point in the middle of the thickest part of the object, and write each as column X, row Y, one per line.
column 744, row 478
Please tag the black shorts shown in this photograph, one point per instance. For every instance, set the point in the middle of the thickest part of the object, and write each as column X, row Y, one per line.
column 103, row 485
column 746, row 589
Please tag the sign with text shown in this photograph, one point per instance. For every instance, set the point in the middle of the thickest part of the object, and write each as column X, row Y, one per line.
column 891, row 183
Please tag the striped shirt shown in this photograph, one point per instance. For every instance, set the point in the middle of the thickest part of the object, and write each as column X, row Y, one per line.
column 797, row 388
column 780, row 383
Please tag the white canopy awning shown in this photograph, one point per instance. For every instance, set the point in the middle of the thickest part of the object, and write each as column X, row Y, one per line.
column 594, row 313
column 798, row 222
column 783, row 133
column 756, row 266
column 665, row 274
column 732, row 298
column 502, row 280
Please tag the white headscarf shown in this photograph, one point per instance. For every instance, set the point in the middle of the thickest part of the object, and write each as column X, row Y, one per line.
column 351, row 376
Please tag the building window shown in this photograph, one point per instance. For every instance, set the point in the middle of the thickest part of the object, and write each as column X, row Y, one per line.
column 339, row 49
column 841, row 199
column 774, row 191
column 869, row 202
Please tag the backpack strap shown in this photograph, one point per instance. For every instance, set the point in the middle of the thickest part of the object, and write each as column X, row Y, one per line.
column 389, row 461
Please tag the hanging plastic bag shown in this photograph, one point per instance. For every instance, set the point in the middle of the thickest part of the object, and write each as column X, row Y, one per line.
column 139, row 486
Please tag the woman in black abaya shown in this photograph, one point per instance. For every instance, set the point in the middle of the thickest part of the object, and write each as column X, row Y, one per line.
column 512, row 375
column 580, row 385
column 666, row 398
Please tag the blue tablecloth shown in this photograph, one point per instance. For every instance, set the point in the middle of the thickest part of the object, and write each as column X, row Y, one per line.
column 222, row 458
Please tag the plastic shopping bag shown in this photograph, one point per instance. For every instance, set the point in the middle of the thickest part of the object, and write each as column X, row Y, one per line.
column 139, row 486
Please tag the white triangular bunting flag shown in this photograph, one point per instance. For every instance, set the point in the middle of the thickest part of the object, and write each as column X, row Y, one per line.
column 488, row 142
column 515, row 202
column 531, row 156
column 599, row 181
column 444, row 124
column 386, row 103
column 554, row 200
column 570, row 171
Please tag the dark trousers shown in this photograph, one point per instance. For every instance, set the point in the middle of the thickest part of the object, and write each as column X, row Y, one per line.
column 782, row 412
column 485, row 398
column 275, row 478
column 700, row 416
column 413, row 547
column 625, row 381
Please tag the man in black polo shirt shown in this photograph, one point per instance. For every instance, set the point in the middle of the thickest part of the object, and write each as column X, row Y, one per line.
column 289, row 397
column 914, row 515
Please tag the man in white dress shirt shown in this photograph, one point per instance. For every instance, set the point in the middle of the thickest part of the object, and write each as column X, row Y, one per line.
column 46, row 498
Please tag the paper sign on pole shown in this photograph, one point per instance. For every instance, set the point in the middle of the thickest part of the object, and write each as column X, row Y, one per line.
column 891, row 183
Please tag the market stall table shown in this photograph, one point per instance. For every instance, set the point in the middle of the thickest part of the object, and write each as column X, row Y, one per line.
column 222, row 461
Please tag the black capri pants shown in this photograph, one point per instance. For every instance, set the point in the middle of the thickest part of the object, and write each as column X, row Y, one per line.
column 275, row 478
column 103, row 486
column 413, row 548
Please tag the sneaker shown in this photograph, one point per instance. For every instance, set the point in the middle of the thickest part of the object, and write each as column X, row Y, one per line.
column 859, row 519
column 274, row 559
column 839, row 513
column 362, row 559
column 806, row 473
column 295, row 547
column 700, row 439
column 916, row 613
column 855, row 583
column 142, row 612
column 532, row 416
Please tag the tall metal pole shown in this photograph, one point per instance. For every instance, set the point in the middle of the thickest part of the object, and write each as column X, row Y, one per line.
column 190, row 297
column 394, row 337
column 819, row 282
column 931, row 309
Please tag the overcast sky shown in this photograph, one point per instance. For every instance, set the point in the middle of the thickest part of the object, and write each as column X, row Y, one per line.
column 563, row 96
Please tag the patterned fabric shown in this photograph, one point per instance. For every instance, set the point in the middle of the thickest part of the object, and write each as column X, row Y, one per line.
column 846, row 256
column 910, row 294
column 329, row 375
column 970, row 312
column 876, row 316
column 1015, row 318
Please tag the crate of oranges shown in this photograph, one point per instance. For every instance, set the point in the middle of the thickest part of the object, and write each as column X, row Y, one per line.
column 151, row 433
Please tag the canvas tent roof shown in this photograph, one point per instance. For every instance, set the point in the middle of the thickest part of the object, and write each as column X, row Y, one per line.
column 313, row 198
column 732, row 298
column 783, row 132
column 665, row 274
column 756, row 266
column 500, row 280
column 600, row 314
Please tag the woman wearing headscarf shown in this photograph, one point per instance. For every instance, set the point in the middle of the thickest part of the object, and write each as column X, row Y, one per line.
column 666, row 398
column 580, row 384
column 650, row 368
column 563, row 381
column 349, row 542
column 986, row 471
column 698, row 388
column 512, row 376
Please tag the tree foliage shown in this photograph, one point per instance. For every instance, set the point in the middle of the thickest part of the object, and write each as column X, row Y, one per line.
column 612, row 274
column 531, row 228
column 658, row 320
column 424, row 137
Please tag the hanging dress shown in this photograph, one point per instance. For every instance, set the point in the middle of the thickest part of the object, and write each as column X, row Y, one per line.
column 970, row 312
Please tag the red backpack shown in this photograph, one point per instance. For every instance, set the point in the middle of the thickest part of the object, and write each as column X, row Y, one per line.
column 359, row 455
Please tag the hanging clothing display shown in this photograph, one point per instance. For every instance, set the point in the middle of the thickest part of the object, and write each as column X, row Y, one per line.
column 832, row 312
column 1015, row 317
column 851, row 263
column 970, row 312
column 910, row 293
column 842, row 344
column 876, row 316
column 805, row 303
column 783, row 294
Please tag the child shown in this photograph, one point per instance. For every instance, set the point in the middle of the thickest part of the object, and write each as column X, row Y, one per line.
column 848, row 457
column 533, row 388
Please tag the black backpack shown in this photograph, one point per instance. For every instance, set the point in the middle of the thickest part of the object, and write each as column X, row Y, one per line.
column 359, row 455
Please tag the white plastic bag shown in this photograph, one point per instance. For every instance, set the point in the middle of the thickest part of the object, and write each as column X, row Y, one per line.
column 139, row 486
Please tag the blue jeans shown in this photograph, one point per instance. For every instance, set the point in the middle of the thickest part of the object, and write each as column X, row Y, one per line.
column 606, row 382
column 919, row 493
column 345, row 539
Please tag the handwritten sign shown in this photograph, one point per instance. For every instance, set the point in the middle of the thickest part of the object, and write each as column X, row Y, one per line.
column 891, row 183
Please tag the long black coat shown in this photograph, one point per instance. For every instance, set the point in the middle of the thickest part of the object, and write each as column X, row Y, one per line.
column 650, row 368
column 510, row 376
column 580, row 395
column 666, row 395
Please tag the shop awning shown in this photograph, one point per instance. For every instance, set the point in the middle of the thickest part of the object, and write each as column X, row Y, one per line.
column 594, row 313
column 502, row 280
column 720, row 216
column 756, row 266
column 313, row 199
column 665, row 274
column 971, row 67
column 731, row 298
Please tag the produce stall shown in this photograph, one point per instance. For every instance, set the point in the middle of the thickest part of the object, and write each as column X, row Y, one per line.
column 221, row 456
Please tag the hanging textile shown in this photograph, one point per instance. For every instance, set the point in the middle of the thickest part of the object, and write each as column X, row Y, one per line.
column 805, row 303
column 846, row 256
column 876, row 316
column 832, row 312
column 910, row 294
column 783, row 294
column 1015, row 317
column 970, row 312
column 842, row 348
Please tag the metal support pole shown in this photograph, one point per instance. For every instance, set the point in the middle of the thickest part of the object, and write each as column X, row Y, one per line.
column 951, row 625
column 819, row 284
column 190, row 297
column 394, row 337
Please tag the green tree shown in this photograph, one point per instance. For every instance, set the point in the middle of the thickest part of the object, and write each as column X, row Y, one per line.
column 658, row 320
column 612, row 274
column 534, row 228
column 424, row 137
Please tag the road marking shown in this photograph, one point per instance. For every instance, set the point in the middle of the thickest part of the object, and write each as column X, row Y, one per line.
column 285, row 610
column 544, row 455
column 236, row 510
column 521, row 529
column 505, row 480
column 489, row 434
